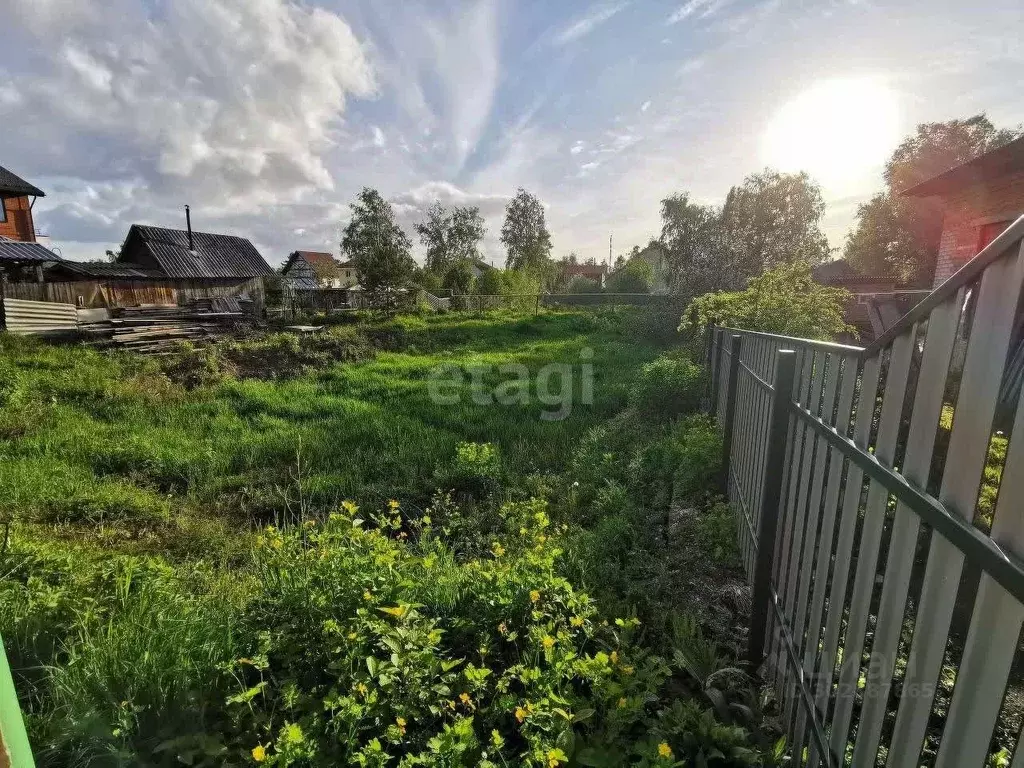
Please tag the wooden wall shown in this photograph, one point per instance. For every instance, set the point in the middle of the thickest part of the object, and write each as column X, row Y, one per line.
column 18, row 223
column 131, row 293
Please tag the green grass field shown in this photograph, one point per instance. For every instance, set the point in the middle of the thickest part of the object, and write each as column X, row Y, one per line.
column 322, row 564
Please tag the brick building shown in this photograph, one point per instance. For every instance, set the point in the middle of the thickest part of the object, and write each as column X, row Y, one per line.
column 979, row 199
column 16, row 208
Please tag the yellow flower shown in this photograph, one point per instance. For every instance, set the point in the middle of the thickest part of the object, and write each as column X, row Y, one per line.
column 548, row 642
column 400, row 721
column 524, row 712
column 664, row 750
column 464, row 697
column 259, row 754
column 352, row 635
column 534, row 595
column 498, row 550
column 614, row 657
column 362, row 689
column 393, row 504
column 627, row 670
column 367, row 595
column 622, row 702
column 576, row 621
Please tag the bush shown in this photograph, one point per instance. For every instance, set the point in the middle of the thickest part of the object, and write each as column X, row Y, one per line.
column 784, row 300
column 670, row 386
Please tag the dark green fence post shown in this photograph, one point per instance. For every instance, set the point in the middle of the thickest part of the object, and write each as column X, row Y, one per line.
column 730, row 408
column 716, row 370
column 771, row 495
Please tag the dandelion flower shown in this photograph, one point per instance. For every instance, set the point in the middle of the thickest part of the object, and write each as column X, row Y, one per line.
column 259, row 754
column 576, row 621
column 534, row 596
column 393, row 504
column 664, row 750
column 548, row 642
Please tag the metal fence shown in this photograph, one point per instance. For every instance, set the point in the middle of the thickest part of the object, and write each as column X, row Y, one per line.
column 881, row 525
column 37, row 317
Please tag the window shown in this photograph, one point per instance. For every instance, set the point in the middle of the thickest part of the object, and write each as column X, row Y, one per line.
column 3, row 210
column 989, row 232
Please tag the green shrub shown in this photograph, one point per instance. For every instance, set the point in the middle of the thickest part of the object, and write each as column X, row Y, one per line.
column 668, row 387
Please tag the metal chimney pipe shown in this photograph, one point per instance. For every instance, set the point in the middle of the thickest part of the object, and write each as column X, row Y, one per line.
column 188, row 223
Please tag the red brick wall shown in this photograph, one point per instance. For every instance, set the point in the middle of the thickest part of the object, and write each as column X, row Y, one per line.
column 970, row 209
column 18, row 223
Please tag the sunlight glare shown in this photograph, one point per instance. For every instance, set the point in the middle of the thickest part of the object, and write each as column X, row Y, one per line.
column 838, row 130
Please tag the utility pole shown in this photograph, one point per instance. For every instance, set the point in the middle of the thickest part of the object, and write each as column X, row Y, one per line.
column 609, row 250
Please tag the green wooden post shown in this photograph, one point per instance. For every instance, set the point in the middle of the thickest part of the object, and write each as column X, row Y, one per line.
column 14, row 747
column 771, row 497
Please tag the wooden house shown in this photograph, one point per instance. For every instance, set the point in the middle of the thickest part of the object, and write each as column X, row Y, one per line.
column 17, row 197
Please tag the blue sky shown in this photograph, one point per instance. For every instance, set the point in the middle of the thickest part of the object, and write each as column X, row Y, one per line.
column 267, row 116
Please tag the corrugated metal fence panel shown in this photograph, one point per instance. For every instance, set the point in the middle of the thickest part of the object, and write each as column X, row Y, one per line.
column 883, row 679
column 38, row 317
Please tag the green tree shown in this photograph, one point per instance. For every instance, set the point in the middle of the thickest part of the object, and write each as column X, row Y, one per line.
column 379, row 248
column 770, row 220
column 691, row 236
column 450, row 235
column 899, row 236
column 525, row 234
column 459, row 278
column 582, row 284
column 783, row 300
column 490, row 282
column 635, row 276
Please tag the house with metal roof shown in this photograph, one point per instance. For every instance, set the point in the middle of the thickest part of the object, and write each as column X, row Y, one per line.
column 16, row 207
column 979, row 199
column 310, row 270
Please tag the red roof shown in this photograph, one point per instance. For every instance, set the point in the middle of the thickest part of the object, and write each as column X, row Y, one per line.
column 318, row 258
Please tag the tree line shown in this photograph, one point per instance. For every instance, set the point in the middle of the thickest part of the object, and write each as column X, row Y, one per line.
column 769, row 221
column 773, row 220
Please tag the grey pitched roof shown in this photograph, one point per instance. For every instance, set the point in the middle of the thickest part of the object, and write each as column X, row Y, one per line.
column 118, row 269
column 212, row 256
column 12, row 184
column 1001, row 161
column 15, row 250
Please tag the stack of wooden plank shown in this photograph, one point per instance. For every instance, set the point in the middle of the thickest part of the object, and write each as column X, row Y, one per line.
column 155, row 328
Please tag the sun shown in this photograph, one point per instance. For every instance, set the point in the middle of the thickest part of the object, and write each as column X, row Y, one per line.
column 838, row 130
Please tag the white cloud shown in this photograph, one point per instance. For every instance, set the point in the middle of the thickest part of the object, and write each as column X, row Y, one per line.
column 705, row 8
column 379, row 140
column 578, row 147
column 228, row 104
column 586, row 24
column 645, row 106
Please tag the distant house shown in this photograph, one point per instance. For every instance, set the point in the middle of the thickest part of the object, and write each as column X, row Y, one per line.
column 16, row 214
column 316, row 269
column 876, row 303
column 980, row 199
column 478, row 267
column 595, row 272
column 165, row 266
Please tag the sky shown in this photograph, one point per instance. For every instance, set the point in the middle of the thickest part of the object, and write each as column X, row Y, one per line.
column 268, row 116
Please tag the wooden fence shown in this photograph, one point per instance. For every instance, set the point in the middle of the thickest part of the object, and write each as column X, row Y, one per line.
column 881, row 525
column 133, row 293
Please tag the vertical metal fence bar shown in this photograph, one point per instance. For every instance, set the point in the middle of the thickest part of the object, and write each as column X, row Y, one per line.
column 814, row 516
column 788, row 516
column 968, row 447
column 994, row 630
column 801, row 514
column 835, row 472
column 767, row 529
column 938, row 347
column 870, row 540
column 717, row 368
column 847, row 529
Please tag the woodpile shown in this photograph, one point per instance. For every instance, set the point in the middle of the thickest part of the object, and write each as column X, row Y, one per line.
column 156, row 328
